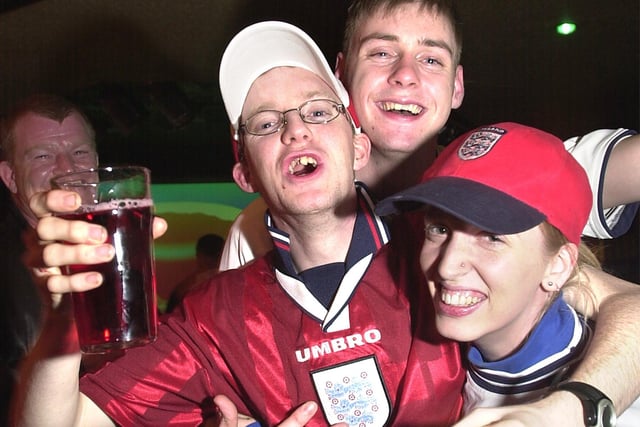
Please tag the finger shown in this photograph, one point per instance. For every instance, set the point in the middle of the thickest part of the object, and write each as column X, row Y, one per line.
column 53, row 228
column 227, row 411
column 59, row 285
column 81, row 282
column 43, row 204
column 40, row 277
column 159, row 227
column 42, row 272
column 61, row 254
column 301, row 415
column 228, row 414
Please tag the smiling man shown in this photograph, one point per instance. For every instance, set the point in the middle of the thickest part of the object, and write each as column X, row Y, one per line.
column 401, row 66
column 42, row 137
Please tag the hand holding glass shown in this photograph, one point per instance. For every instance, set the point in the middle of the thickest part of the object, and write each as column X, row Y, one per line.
column 121, row 312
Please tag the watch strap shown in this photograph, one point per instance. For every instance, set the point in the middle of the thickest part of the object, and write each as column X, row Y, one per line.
column 597, row 407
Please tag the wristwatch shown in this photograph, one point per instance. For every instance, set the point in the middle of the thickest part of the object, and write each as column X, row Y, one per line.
column 597, row 407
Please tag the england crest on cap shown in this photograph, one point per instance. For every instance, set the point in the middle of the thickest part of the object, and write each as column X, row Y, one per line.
column 480, row 142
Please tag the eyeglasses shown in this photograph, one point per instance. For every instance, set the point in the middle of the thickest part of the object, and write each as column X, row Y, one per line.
column 316, row 111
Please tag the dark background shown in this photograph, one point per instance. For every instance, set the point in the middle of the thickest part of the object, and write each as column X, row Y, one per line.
column 146, row 72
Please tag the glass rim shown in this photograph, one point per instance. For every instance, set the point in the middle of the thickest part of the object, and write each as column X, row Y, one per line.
column 103, row 168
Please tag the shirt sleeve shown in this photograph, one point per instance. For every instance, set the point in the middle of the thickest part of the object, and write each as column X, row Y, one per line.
column 592, row 151
column 247, row 238
column 172, row 380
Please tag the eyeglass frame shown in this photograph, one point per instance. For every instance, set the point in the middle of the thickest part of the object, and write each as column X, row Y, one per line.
column 340, row 108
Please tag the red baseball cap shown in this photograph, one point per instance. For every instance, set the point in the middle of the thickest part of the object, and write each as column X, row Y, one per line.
column 505, row 179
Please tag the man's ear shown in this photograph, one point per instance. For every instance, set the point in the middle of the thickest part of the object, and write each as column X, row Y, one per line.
column 362, row 150
column 458, row 88
column 560, row 267
column 242, row 177
column 8, row 177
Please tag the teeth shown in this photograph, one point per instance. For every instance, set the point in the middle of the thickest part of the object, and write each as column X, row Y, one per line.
column 402, row 108
column 305, row 162
column 458, row 299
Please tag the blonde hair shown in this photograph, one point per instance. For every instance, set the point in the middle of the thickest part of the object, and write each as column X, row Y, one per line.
column 577, row 286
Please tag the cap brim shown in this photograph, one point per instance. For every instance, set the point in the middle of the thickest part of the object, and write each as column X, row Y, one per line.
column 477, row 204
column 261, row 47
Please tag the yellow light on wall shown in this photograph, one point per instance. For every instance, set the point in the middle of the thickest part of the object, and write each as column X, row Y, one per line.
column 566, row 28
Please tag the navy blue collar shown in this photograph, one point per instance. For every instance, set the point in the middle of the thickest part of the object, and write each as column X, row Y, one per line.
column 369, row 235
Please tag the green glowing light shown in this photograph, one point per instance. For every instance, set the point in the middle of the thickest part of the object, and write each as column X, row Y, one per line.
column 566, row 28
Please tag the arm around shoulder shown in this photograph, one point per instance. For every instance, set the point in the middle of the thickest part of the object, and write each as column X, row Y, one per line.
column 612, row 361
